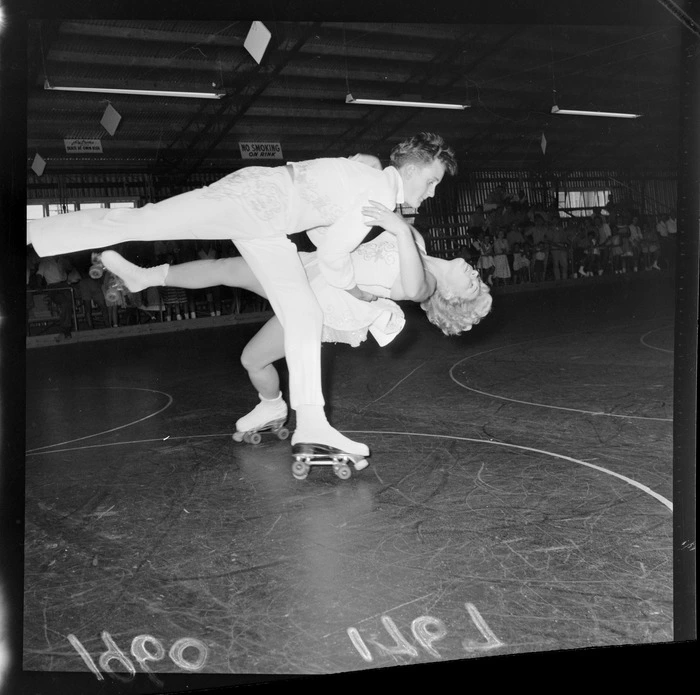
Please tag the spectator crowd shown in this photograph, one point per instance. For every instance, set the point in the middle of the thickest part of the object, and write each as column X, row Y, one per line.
column 511, row 241
column 62, row 293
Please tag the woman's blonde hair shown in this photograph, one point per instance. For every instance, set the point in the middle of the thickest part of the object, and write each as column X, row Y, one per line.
column 456, row 315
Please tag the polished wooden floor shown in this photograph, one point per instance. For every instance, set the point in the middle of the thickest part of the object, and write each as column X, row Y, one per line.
column 518, row 499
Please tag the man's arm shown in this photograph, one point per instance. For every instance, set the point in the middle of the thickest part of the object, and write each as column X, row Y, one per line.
column 335, row 242
column 416, row 284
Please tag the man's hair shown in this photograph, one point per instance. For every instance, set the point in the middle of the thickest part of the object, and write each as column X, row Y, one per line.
column 423, row 149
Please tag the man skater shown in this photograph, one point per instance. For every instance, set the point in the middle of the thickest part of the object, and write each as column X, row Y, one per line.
column 258, row 208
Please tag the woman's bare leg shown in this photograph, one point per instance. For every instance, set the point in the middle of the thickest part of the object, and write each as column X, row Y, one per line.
column 231, row 272
column 265, row 348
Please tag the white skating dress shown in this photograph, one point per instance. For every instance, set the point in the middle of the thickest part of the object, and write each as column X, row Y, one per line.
column 347, row 319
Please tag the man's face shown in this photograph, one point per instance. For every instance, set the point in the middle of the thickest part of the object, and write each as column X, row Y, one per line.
column 420, row 181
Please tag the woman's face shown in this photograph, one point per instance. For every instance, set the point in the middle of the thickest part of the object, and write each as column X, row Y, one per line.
column 457, row 278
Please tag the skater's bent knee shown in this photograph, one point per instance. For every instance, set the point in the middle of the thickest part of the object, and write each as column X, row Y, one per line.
column 251, row 361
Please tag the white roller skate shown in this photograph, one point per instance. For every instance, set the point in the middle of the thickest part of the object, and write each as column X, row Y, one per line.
column 133, row 277
column 270, row 415
column 97, row 270
column 307, row 455
column 114, row 288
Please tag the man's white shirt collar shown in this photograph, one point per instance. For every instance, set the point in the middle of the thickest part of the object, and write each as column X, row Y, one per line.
column 393, row 174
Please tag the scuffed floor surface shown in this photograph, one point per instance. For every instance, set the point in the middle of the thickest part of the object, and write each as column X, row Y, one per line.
column 518, row 498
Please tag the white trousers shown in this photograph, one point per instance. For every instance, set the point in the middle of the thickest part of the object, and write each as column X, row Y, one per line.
column 256, row 211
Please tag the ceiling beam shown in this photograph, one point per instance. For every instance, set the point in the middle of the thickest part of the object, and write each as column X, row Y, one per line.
column 230, row 113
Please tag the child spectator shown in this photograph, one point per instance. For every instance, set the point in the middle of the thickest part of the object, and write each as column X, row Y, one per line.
column 501, row 248
column 486, row 265
column 521, row 264
column 514, row 236
column 591, row 265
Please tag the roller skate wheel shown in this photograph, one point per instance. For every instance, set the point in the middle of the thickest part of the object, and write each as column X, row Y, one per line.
column 237, row 436
column 343, row 472
column 95, row 273
column 112, row 296
column 300, row 470
column 254, row 438
column 361, row 464
column 282, row 433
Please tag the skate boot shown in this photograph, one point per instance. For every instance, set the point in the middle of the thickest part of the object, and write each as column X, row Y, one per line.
column 133, row 277
column 269, row 415
column 316, row 443
column 97, row 270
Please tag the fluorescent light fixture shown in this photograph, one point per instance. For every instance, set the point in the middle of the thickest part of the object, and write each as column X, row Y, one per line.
column 609, row 114
column 349, row 99
column 139, row 92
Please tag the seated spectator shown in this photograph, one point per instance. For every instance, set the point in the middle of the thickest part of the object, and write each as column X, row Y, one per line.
column 497, row 198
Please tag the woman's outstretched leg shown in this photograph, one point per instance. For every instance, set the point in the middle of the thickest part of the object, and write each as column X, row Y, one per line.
column 232, row 272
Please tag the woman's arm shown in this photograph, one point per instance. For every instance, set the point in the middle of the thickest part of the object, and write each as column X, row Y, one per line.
column 415, row 283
